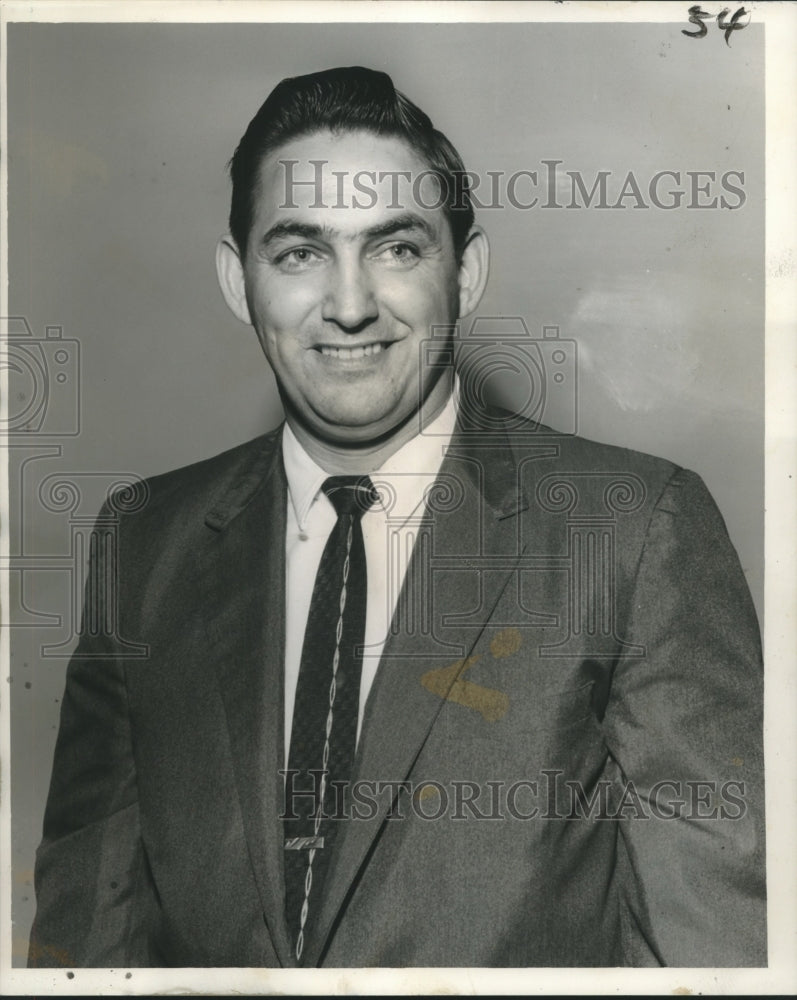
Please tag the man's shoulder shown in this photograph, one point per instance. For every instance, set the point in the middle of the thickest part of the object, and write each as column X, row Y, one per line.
column 600, row 456
column 567, row 471
column 530, row 440
column 201, row 486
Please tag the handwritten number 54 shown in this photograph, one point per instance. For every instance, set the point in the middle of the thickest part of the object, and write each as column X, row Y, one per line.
column 698, row 16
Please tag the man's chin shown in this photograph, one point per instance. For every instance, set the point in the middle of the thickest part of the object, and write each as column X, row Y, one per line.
column 343, row 429
column 357, row 434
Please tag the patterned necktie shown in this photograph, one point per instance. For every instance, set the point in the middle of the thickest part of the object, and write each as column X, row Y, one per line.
column 324, row 729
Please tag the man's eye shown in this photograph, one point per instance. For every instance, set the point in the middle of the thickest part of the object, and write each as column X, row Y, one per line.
column 296, row 258
column 400, row 253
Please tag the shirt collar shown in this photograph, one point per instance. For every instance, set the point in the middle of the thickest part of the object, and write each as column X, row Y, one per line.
column 409, row 471
column 303, row 474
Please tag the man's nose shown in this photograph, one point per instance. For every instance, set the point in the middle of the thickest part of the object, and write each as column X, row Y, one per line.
column 350, row 301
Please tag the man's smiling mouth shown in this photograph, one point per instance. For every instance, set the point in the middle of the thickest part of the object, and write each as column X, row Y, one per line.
column 351, row 353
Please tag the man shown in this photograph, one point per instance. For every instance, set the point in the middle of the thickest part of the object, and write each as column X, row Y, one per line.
column 426, row 684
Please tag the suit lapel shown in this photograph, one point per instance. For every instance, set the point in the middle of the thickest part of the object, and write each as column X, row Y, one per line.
column 400, row 711
column 243, row 579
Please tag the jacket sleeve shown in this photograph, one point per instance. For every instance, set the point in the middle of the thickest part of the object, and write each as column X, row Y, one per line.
column 684, row 729
column 91, row 878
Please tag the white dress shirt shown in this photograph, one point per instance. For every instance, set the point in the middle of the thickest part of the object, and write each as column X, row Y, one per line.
column 389, row 531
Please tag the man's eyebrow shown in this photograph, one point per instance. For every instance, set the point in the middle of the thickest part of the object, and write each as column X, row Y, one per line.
column 406, row 222
column 402, row 223
column 282, row 230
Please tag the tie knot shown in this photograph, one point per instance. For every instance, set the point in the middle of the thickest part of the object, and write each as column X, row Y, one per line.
column 350, row 494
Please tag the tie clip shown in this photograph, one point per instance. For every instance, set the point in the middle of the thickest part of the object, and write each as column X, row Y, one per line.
column 304, row 843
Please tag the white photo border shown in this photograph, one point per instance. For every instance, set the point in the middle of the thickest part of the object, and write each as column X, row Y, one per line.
column 781, row 551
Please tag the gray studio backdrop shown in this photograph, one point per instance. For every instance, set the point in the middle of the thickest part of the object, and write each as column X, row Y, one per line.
column 118, row 138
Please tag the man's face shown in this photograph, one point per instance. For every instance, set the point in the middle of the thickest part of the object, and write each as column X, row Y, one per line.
column 342, row 290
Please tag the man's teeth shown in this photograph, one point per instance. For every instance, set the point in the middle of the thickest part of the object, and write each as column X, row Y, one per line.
column 351, row 353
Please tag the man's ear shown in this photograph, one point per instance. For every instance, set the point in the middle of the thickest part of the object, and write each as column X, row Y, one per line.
column 473, row 270
column 230, row 272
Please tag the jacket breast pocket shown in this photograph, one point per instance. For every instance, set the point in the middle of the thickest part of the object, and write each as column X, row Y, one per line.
column 551, row 731
column 514, row 715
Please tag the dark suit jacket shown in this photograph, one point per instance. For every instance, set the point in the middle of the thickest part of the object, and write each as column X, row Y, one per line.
column 574, row 622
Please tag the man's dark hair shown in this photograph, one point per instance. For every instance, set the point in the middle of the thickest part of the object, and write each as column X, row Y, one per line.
column 343, row 100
